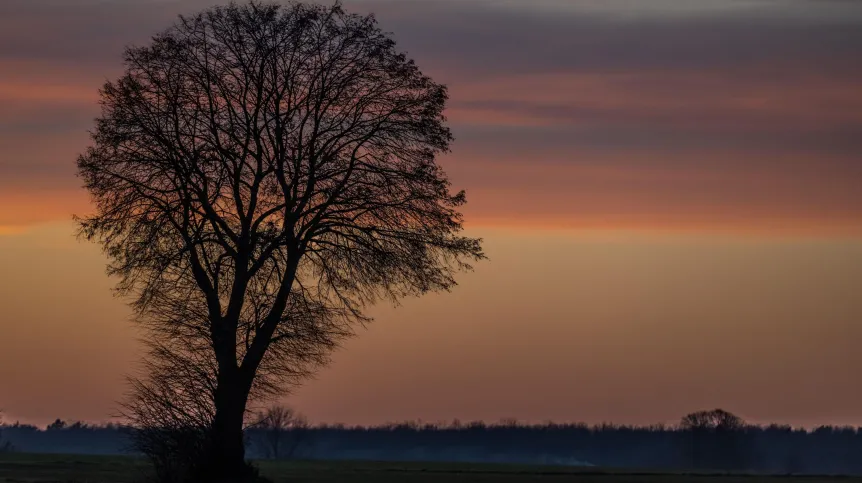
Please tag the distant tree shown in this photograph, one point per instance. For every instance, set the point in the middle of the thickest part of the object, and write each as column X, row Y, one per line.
column 714, row 420
column 57, row 425
column 79, row 425
column 714, row 439
column 283, row 430
column 261, row 173
column 476, row 426
column 508, row 423
column 5, row 446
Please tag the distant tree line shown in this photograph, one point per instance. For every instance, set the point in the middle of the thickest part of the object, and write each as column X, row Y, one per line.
column 702, row 441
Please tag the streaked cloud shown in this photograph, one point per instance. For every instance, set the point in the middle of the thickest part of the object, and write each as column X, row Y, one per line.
column 579, row 112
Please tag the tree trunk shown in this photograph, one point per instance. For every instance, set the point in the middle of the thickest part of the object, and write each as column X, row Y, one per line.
column 226, row 452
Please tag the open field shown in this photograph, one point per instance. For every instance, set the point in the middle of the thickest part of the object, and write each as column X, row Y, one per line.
column 113, row 469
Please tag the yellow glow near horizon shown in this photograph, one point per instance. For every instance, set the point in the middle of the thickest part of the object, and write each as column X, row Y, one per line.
column 556, row 325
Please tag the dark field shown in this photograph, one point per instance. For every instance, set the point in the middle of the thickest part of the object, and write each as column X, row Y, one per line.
column 114, row 469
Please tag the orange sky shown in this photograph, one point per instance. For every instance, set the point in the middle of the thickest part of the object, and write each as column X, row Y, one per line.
column 671, row 199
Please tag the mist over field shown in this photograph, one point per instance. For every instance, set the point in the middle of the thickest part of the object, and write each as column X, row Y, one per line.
column 772, row 449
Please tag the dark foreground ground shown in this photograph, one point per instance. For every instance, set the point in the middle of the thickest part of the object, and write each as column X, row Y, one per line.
column 22, row 468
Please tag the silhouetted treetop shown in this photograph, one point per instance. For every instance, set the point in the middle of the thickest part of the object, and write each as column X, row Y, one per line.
column 248, row 132
column 713, row 420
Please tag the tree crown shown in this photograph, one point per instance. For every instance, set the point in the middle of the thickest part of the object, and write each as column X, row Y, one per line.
column 261, row 172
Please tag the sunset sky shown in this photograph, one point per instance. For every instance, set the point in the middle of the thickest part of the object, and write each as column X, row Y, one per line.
column 670, row 193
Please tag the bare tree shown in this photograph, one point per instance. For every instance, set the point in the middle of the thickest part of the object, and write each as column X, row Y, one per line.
column 170, row 408
column 714, row 439
column 713, row 420
column 283, row 430
column 261, row 173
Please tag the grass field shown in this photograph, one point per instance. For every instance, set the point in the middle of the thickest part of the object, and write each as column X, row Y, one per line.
column 19, row 468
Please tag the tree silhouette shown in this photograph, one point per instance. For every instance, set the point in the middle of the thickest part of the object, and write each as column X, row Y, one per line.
column 261, row 173
column 716, row 419
column 5, row 447
column 714, row 439
column 57, row 425
column 283, row 430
